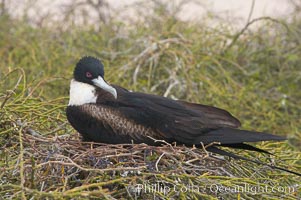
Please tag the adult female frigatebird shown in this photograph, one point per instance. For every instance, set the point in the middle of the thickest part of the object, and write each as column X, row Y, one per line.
column 106, row 113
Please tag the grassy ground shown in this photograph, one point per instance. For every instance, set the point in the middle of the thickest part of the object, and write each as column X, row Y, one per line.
column 254, row 73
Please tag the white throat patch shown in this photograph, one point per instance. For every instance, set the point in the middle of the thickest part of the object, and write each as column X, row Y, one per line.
column 81, row 93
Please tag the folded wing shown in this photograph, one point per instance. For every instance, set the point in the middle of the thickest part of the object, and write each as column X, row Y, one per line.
column 184, row 122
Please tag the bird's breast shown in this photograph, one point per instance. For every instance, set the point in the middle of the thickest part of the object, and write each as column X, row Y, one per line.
column 114, row 120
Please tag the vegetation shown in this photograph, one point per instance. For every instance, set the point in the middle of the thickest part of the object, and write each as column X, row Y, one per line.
column 253, row 72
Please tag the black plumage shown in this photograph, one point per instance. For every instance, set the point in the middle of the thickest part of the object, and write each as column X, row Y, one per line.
column 115, row 115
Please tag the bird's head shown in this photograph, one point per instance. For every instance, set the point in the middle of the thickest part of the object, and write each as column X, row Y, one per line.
column 90, row 70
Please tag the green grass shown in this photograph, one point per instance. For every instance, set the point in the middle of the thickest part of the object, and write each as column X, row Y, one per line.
column 255, row 74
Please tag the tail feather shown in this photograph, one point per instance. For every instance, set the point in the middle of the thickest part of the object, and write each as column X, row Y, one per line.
column 246, row 147
column 216, row 150
column 235, row 136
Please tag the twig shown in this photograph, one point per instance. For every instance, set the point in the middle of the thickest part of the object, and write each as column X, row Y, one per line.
column 162, row 141
column 159, row 161
column 241, row 32
column 21, row 164
column 90, row 169
column 11, row 92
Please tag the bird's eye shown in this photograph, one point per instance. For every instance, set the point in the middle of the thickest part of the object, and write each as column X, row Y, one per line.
column 88, row 75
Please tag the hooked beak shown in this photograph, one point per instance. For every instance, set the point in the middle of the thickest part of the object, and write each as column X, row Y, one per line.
column 99, row 82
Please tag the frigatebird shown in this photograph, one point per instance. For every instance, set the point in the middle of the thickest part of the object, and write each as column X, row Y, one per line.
column 107, row 113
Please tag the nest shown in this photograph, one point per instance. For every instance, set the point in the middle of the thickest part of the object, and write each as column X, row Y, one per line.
column 60, row 167
column 65, row 164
